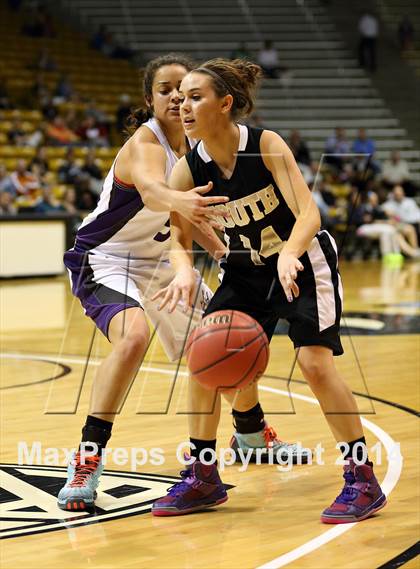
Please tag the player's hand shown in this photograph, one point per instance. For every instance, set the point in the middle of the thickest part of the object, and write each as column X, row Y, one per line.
column 288, row 266
column 193, row 205
column 181, row 288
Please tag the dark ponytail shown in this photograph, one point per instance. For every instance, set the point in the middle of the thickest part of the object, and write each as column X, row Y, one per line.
column 142, row 114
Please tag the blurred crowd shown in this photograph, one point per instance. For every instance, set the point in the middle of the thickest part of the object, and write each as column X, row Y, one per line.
column 371, row 207
column 362, row 200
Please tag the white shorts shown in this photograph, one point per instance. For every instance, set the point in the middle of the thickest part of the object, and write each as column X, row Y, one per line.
column 106, row 285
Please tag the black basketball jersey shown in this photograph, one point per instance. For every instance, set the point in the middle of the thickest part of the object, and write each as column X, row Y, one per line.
column 260, row 220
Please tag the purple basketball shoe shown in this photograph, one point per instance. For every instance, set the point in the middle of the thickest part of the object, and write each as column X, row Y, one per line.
column 199, row 489
column 360, row 498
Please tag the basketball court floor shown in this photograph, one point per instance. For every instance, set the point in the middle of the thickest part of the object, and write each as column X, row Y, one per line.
column 49, row 356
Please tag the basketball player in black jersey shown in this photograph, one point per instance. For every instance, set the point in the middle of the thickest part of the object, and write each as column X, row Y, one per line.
column 278, row 265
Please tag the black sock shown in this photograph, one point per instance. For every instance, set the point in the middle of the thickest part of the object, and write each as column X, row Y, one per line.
column 96, row 431
column 201, row 445
column 250, row 421
column 358, row 454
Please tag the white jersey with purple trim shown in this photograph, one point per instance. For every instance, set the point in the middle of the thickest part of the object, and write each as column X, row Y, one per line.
column 121, row 225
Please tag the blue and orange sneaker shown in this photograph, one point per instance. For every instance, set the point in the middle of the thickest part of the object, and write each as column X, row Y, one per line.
column 79, row 491
column 360, row 498
column 199, row 489
column 265, row 446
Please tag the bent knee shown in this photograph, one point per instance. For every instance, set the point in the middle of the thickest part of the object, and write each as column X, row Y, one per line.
column 314, row 369
column 133, row 345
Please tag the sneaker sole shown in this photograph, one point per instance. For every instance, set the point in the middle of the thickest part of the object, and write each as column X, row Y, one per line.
column 77, row 505
column 350, row 520
column 174, row 512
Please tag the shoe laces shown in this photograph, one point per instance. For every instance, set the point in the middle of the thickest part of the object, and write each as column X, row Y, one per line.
column 349, row 492
column 83, row 471
column 270, row 436
column 187, row 479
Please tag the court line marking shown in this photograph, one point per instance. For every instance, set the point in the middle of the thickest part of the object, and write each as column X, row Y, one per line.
column 392, row 475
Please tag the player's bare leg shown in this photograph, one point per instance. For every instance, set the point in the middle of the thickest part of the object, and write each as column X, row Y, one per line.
column 129, row 335
column 336, row 399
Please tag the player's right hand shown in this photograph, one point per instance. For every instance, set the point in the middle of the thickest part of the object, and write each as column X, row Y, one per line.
column 181, row 288
column 193, row 205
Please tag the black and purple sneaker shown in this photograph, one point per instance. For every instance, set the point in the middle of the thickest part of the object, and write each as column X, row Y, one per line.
column 360, row 498
column 199, row 489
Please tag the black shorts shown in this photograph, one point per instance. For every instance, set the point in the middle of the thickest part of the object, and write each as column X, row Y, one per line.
column 314, row 316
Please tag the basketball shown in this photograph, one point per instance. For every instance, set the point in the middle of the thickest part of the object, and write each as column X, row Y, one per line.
column 229, row 350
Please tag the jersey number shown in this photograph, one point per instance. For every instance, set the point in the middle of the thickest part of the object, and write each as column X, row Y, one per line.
column 270, row 244
column 163, row 236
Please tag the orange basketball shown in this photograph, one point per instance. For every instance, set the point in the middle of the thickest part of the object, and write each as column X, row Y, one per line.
column 229, row 350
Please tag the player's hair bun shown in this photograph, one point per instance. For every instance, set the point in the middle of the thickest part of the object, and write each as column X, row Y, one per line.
column 237, row 77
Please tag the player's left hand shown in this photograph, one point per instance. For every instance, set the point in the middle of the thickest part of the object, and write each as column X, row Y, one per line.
column 288, row 266
column 180, row 289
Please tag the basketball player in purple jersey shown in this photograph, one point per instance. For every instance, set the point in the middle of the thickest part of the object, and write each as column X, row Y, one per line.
column 278, row 265
column 120, row 258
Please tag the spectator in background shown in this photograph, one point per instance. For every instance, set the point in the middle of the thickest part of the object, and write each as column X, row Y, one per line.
column 92, row 133
column 37, row 137
column 369, row 32
column 328, row 219
column 363, row 144
column 48, row 107
column 378, row 225
column 268, row 59
column 123, row 112
column 7, row 206
column 47, row 203
column 69, row 202
column 103, row 41
column 338, row 143
column 24, row 182
column 59, row 134
column 405, row 34
column 69, row 169
column 100, row 38
column 6, row 184
column 92, row 110
column 335, row 146
column 299, row 148
column 16, row 135
column 396, row 172
column 40, row 160
column 91, row 167
column 64, row 89
column 86, row 200
column 402, row 208
column 72, row 120
column 365, row 148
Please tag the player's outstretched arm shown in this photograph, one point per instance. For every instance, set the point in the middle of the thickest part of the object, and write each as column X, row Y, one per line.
column 280, row 161
column 148, row 165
